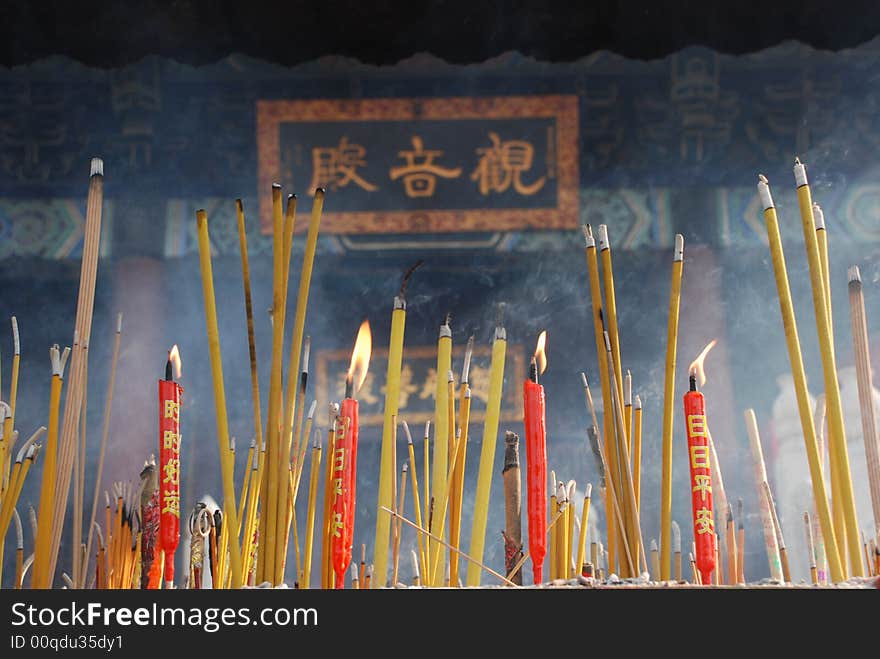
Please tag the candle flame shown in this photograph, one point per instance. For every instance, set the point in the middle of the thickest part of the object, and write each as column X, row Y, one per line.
column 174, row 358
column 360, row 356
column 540, row 355
column 696, row 367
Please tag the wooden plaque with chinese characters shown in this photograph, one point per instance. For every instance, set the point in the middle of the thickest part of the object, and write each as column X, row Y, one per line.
column 425, row 165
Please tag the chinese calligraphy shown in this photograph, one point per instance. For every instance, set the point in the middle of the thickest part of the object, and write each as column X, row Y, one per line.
column 420, row 173
column 502, row 164
column 336, row 167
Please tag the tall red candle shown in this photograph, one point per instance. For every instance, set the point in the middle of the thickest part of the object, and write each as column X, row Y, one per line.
column 701, row 479
column 536, row 460
column 344, row 467
column 169, row 464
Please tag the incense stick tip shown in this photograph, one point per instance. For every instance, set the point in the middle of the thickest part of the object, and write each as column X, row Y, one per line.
column 854, row 274
column 312, row 409
column 588, row 492
column 406, row 432
column 449, row 376
column 603, row 238
column 678, row 251
column 764, row 192
column 637, row 402
column 588, row 235
column 819, row 217
column 800, row 173
column 97, row 167
column 584, row 380
column 15, row 343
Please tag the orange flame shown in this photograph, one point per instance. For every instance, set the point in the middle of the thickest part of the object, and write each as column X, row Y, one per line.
column 696, row 367
column 174, row 358
column 540, row 355
column 360, row 356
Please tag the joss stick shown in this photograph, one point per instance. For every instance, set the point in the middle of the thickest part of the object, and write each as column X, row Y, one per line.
column 740, row 543
column 392, row 405
column 363, row 565
column 249, row 314
column 441, row 541
column 718, row 490
column 82, row 331
column 607, row 423
column 398, row 528
column 836, row 430
column 40, row 578
column 19, row 550
column 797, row 367
column 867, row 555
column 457, row 493
column 634, row 530
column 866, row 398
column 628, row 412
column 327, row 571
column 487, row 454
column 79, row 477
column 368, row 576
column 394, row 523
column 314, row 472
column 298, row 440
column 437, row 521
column 822, row 244
column 554, row 532
column 760, row 470
column 415, row 488
column 550, row 526
column 594, row 557
column 582, row 537
column 230, row 515
column 426, row 466
column 610, row 307
column 105, row 433
column 695, row 574
column 242, row 497
column 247, row 541
column 569, row 532
column 269, row 495
column 24, row 460
column 7, row 441
column 731, row 547
column 637, row 451
column 512, row 505
column 355, row 582
column 717, row 577
column 655, row 559
column 811, row 553
column 668, row 402
column 300, row 460
column 676, row 551
column 783, row 556
column 416, row 579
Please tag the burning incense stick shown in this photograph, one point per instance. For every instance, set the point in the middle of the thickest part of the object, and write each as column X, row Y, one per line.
column 836, row 430
column 655, row 559
column 800, row 382
column 811, row 553
column 740, row 543
column 668, row 403
column 397, row 531
column 457, row 493
column 487, row 454
column 731, row 547
column 437, row 557
column 392, row 405
column 314, row 473
column 512, row 506
column 628, row 412
column 866, row 397
column 607, row 427
column 230, row 514
column 637, row 451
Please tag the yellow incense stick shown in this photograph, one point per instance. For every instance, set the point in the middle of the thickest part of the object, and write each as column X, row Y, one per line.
column 229, row 513
column 837, row 433
column 487, row 455
column 582, row 537
column 392, row 401
column 420, row 539
column 607, row 425
column 800, row 381
column 441, row 449
column 668, row 407
column 637, row 451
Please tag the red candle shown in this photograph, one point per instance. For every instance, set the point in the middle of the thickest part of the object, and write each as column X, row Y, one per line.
column 701, row 479
column 536, row 459
column 344, row 470
column 169, row 464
